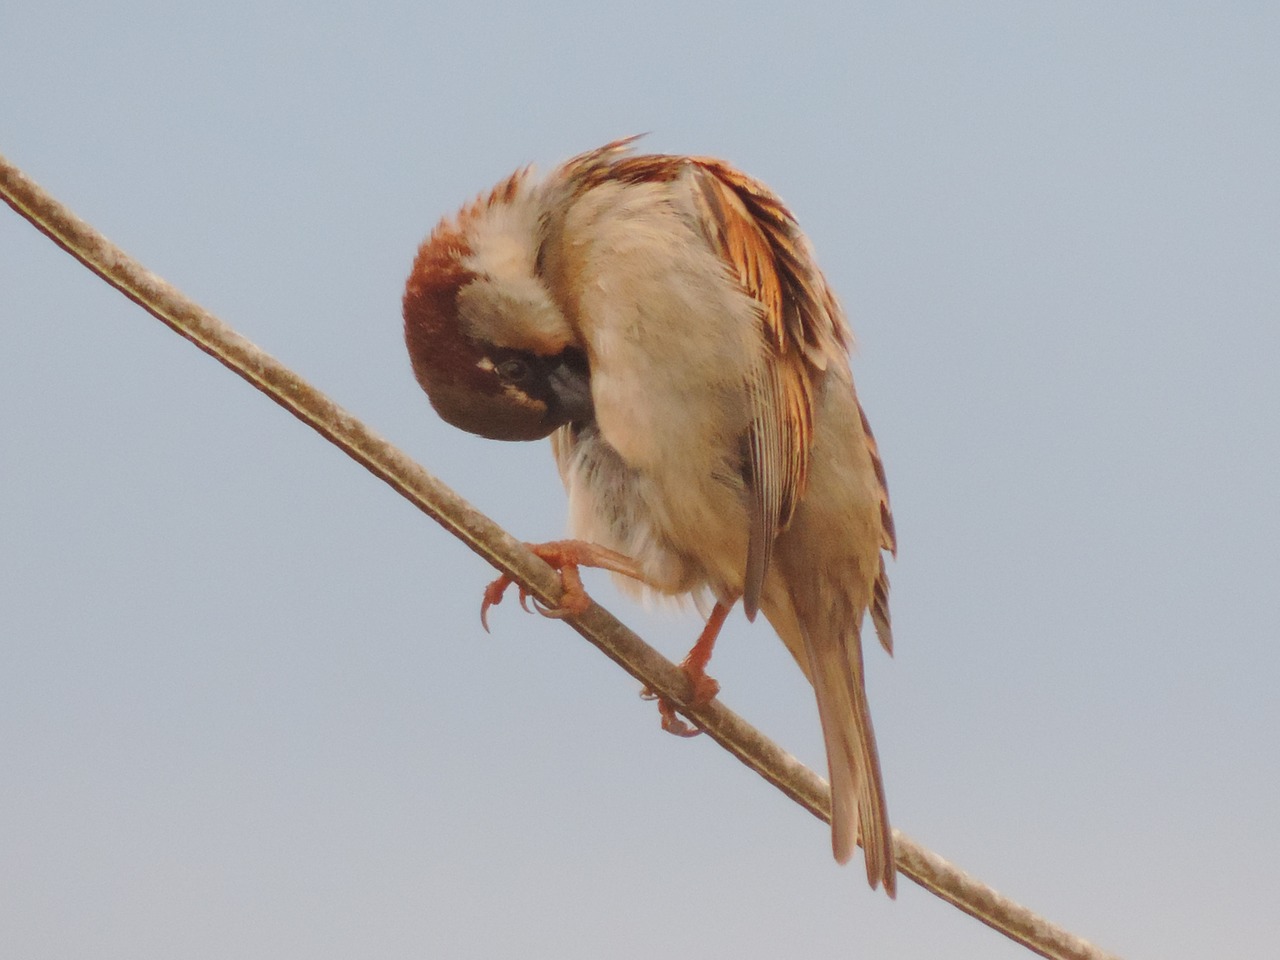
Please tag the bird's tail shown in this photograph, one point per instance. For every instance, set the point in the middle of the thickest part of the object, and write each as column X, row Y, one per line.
column 853, row 764
column 831, row 657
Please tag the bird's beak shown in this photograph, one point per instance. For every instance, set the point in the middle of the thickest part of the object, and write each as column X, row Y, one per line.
column 571, row 387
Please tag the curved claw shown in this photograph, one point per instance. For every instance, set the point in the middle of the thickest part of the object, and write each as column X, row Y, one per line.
column 551, row 613
column 496, row 590
column 672, row 723
column 492, row 597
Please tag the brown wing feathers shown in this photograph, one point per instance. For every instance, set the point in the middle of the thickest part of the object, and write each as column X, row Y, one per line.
column 782, row 396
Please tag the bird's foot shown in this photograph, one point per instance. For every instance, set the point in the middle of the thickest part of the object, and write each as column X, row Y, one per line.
column 695, row 668
column 704, row 688
column 566, row 556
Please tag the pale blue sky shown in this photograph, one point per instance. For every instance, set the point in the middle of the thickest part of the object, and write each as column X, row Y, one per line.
column 246, row 708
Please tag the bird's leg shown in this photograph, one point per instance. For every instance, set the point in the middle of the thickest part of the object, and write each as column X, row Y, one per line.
column 694, row 666
column 695, row 662
column 565, row 556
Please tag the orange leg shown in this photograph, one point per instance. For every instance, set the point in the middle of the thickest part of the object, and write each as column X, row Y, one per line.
column 565, row 556
column 694, row 666
column 695, row 663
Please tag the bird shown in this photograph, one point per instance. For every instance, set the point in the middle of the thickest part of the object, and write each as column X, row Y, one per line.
column 663, row 320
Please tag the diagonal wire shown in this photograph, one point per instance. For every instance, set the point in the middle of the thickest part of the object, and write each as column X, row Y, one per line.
column 620, row 644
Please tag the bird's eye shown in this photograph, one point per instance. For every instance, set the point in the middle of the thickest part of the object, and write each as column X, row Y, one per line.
column 514, row 370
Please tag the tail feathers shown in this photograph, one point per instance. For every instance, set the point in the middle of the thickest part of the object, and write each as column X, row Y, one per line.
column 857, row 791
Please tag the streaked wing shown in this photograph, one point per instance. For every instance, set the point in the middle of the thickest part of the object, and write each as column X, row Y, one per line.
column 803, row 329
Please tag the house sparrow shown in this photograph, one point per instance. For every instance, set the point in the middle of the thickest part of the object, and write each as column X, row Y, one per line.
column 663, row 320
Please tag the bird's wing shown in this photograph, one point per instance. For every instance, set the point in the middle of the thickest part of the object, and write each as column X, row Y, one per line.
column 804, row 332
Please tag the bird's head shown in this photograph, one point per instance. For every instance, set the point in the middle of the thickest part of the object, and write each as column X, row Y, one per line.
column 489, row 344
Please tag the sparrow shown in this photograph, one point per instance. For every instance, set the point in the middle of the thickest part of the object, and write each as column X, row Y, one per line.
column 663, row 320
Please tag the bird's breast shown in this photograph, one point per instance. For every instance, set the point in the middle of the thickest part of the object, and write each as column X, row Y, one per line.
column 683, row 519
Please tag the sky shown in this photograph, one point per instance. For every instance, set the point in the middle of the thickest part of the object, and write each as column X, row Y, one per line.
column 246, row 706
